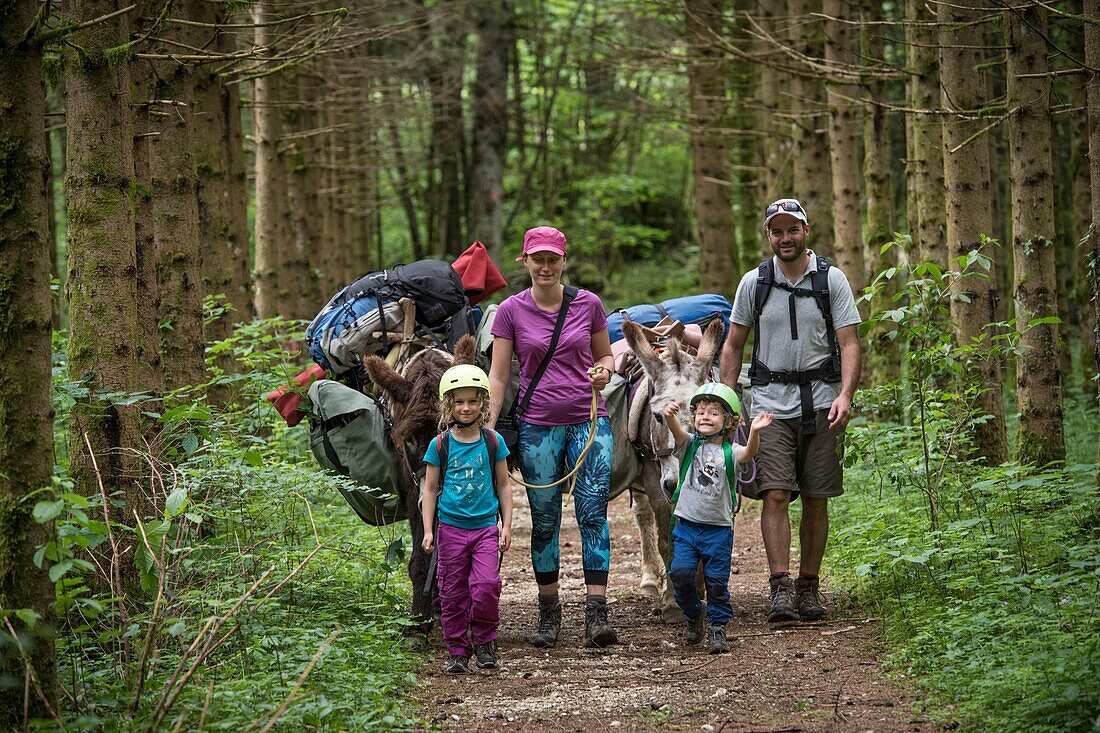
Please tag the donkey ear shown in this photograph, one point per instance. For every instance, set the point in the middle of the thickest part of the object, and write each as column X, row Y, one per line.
column 466, row 350
column 711, row 341
column 385, row 377
column 641, row 348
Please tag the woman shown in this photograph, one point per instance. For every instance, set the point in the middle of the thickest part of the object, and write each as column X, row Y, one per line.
column 556, row 423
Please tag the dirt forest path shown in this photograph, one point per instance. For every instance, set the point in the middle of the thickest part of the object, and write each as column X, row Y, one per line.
column 805, row 677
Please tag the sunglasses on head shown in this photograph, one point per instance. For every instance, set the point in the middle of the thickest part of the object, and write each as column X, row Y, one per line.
column 785, row 205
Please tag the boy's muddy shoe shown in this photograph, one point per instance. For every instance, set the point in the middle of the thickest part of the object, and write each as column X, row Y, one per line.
column 783, row 600
column 693, row 629
column 486, row 655
column 549, row 623
column 718, row 643
column 457, row 664
column 597, row 628
column 811, row 606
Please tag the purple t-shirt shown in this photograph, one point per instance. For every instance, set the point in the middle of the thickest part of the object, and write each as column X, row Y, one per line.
column 564, row 395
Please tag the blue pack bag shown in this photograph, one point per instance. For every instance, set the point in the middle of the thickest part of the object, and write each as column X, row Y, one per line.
column 698, row 309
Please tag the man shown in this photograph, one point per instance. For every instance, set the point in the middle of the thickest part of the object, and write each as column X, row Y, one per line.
column 805, row 366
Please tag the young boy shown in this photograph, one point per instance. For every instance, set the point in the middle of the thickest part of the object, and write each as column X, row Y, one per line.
column 704, row 505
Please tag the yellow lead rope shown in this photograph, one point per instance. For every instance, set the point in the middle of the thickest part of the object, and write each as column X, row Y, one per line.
column 571, row 477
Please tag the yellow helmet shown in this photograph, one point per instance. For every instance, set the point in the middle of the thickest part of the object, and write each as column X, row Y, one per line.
column 460, row 376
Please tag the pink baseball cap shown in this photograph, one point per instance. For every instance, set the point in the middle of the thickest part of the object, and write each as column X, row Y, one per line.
column 542, row 239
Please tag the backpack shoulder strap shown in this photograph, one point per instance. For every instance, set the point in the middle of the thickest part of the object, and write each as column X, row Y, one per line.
column 442, row 446
column 731, row 475
column 689, row 456
column 819, row 279
column 765, row 279
column 493, row 447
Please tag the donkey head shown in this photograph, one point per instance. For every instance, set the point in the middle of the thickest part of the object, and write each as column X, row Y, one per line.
column 674, row 375
column 414, row 394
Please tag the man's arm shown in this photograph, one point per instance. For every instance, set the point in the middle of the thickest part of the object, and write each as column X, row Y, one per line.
column 851, row 364
column 733, row 352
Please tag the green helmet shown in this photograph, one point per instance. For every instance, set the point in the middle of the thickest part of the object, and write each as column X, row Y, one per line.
column 462, row 375
column 719, row 392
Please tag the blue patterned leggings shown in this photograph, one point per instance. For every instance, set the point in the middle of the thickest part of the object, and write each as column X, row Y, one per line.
column 546, row 453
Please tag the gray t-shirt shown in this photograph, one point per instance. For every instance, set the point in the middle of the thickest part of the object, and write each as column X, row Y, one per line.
column 778, row 351
column 705, row 494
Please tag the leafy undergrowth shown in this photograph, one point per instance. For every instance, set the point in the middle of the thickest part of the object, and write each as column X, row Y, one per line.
column 259, row 598
column 987, row 578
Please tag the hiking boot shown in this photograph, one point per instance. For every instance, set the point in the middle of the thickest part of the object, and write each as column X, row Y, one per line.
column 718, row 643
column 693, row 629
column 783, row 601
column 549, row 623
column 457, row 664
column 486, row 655
column 811, row 604
column 597, row 628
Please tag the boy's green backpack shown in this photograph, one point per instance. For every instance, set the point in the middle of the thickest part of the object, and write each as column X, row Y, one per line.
column 350, row 437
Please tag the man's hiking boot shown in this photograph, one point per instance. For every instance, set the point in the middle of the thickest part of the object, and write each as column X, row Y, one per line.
column 717, row 634
column 811, row 606
column 549, row 623
column 693, row 629
column 486, row 655
column 457, row 664
column 783, row 600
column 597, row 628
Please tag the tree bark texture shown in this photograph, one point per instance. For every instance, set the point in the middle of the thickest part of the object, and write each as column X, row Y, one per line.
column 1092, row 58
column 709, row 103
column 445, row 83
column 1039, row 439
column 969, row 200
column 771, row 105
column 495, row 28
column 812, row 170
column 924, row 166
column 26, row 408
column 883, row 358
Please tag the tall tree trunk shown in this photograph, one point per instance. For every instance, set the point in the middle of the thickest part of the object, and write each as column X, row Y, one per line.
column 709, row 103
column 1092, row 59
column 445, row 83
column 495, row 28
column 306, row 261
column 842, row 49
column 770, row 105
column 812, row 169
column 924, row 165
column 883, row 359
column 270, row 180
column 969, row 209
column 26, row 409
column 1039, row 439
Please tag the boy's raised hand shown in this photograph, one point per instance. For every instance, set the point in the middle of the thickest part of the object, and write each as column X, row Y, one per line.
column 672, row 411
column 761, row 421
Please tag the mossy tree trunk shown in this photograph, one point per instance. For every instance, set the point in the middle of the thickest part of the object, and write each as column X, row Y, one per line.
column 924, row 164
column 1092, row 59
column 842, row 50
column 969, row 206
column 495, row 27
column 271, row 246
column 812, row 177
column 771, row 104
column 883, row 358
column 445, row 72
column 306, row 262
column 26, row 411
column 711, row 156
column 1040, row 438
column 221, row 185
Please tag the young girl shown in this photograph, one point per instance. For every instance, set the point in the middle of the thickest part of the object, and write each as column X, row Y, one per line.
column 475, row 489
column 705, row 504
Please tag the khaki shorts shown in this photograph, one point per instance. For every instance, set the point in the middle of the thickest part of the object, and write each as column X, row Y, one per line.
column 807, row 464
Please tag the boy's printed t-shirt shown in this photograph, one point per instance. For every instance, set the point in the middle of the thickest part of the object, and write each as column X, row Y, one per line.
column 705, row 494
column 563, row 395
column 467, row 500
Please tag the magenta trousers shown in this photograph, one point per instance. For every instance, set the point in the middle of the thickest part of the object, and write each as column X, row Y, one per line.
column 469, row 586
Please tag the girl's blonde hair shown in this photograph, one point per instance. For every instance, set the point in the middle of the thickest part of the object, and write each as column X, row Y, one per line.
column 447, row 410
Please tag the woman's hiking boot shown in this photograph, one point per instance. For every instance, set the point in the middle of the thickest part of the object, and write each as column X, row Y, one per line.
column 486, row 655
column 693, row 629
column 717, row 634
column 597, row 627
column 811, row 606
column 549, row 622
column 457, row 664
column 783, row 600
